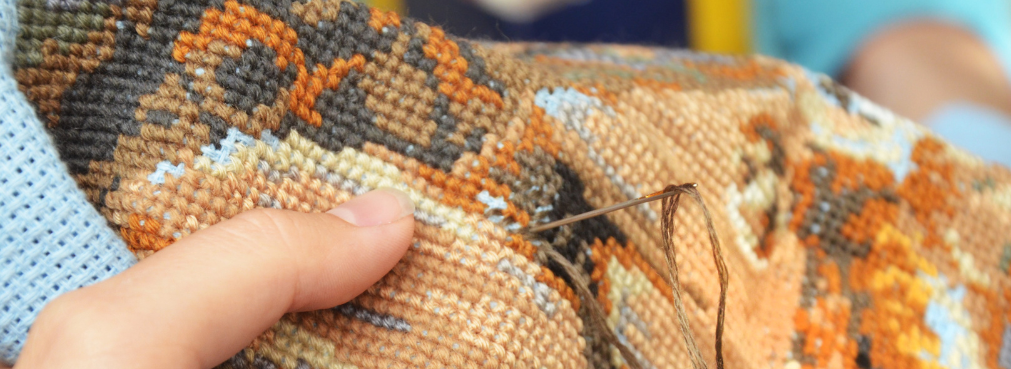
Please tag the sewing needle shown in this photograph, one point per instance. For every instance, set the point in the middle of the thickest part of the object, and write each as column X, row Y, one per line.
column 590, row 214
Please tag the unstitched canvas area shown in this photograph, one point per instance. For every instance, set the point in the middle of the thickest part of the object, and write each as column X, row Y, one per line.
column 854, row 238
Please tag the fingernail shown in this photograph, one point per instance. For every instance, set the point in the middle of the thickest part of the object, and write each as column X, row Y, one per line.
column 380, row 206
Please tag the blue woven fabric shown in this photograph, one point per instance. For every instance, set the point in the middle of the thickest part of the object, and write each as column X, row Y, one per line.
column 988, row 138
column 51, row 239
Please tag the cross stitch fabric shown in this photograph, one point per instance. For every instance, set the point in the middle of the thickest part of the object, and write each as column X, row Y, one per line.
column 51, row 239
column 855, row 238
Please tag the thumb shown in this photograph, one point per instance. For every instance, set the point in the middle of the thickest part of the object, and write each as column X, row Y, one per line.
column 201, row 300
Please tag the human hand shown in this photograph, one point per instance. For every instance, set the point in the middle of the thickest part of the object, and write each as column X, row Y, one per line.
column 523, row 11
column 201, row 300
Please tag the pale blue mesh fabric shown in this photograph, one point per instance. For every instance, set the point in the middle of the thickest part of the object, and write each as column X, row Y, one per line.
column 51, row 239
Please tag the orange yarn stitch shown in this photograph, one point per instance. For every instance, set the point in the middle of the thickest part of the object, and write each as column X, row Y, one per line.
column 505, row 158
column 521, row 246
column 307, row 89
column 863, row 227
column 630, row 259
column 380, row 18
column 557, row 283
column 598, row 90
column 141, row 233
column 750, row 130
column 750, row 71
column 657, row 85
column 451, row 70
column 469, row 188
column 824, row 328
column 851, row 173
column 538, row 134
column 930, row 188
column 457, row 190
column 237, row 24
column 601, row 257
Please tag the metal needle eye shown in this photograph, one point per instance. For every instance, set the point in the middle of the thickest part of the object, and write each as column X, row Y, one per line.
column 660, row 195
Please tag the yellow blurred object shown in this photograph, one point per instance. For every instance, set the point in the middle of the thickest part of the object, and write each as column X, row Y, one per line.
column 722, row 26
column 387, row 5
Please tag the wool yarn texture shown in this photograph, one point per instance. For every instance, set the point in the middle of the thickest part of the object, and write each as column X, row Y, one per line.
column 853, row 238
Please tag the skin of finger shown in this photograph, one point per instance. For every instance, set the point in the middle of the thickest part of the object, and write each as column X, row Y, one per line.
column 199, row 301
column 918, row 66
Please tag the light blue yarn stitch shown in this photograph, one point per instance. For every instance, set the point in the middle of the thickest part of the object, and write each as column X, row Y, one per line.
column 51, row 239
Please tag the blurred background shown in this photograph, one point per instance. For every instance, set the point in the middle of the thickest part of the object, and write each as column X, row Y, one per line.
column 942, row 63
column 649, row 22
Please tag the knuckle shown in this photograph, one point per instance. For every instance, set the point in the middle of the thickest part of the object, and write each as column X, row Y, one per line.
column 271, row 228
column 264, row 221
column 81, row 323
column 275, row 235
column 73, row 312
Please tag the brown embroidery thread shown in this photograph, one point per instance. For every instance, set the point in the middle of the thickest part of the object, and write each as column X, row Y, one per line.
column 671, row 196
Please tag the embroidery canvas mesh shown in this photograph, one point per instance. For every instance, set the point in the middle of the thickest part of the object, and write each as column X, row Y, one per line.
column 51, row 239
